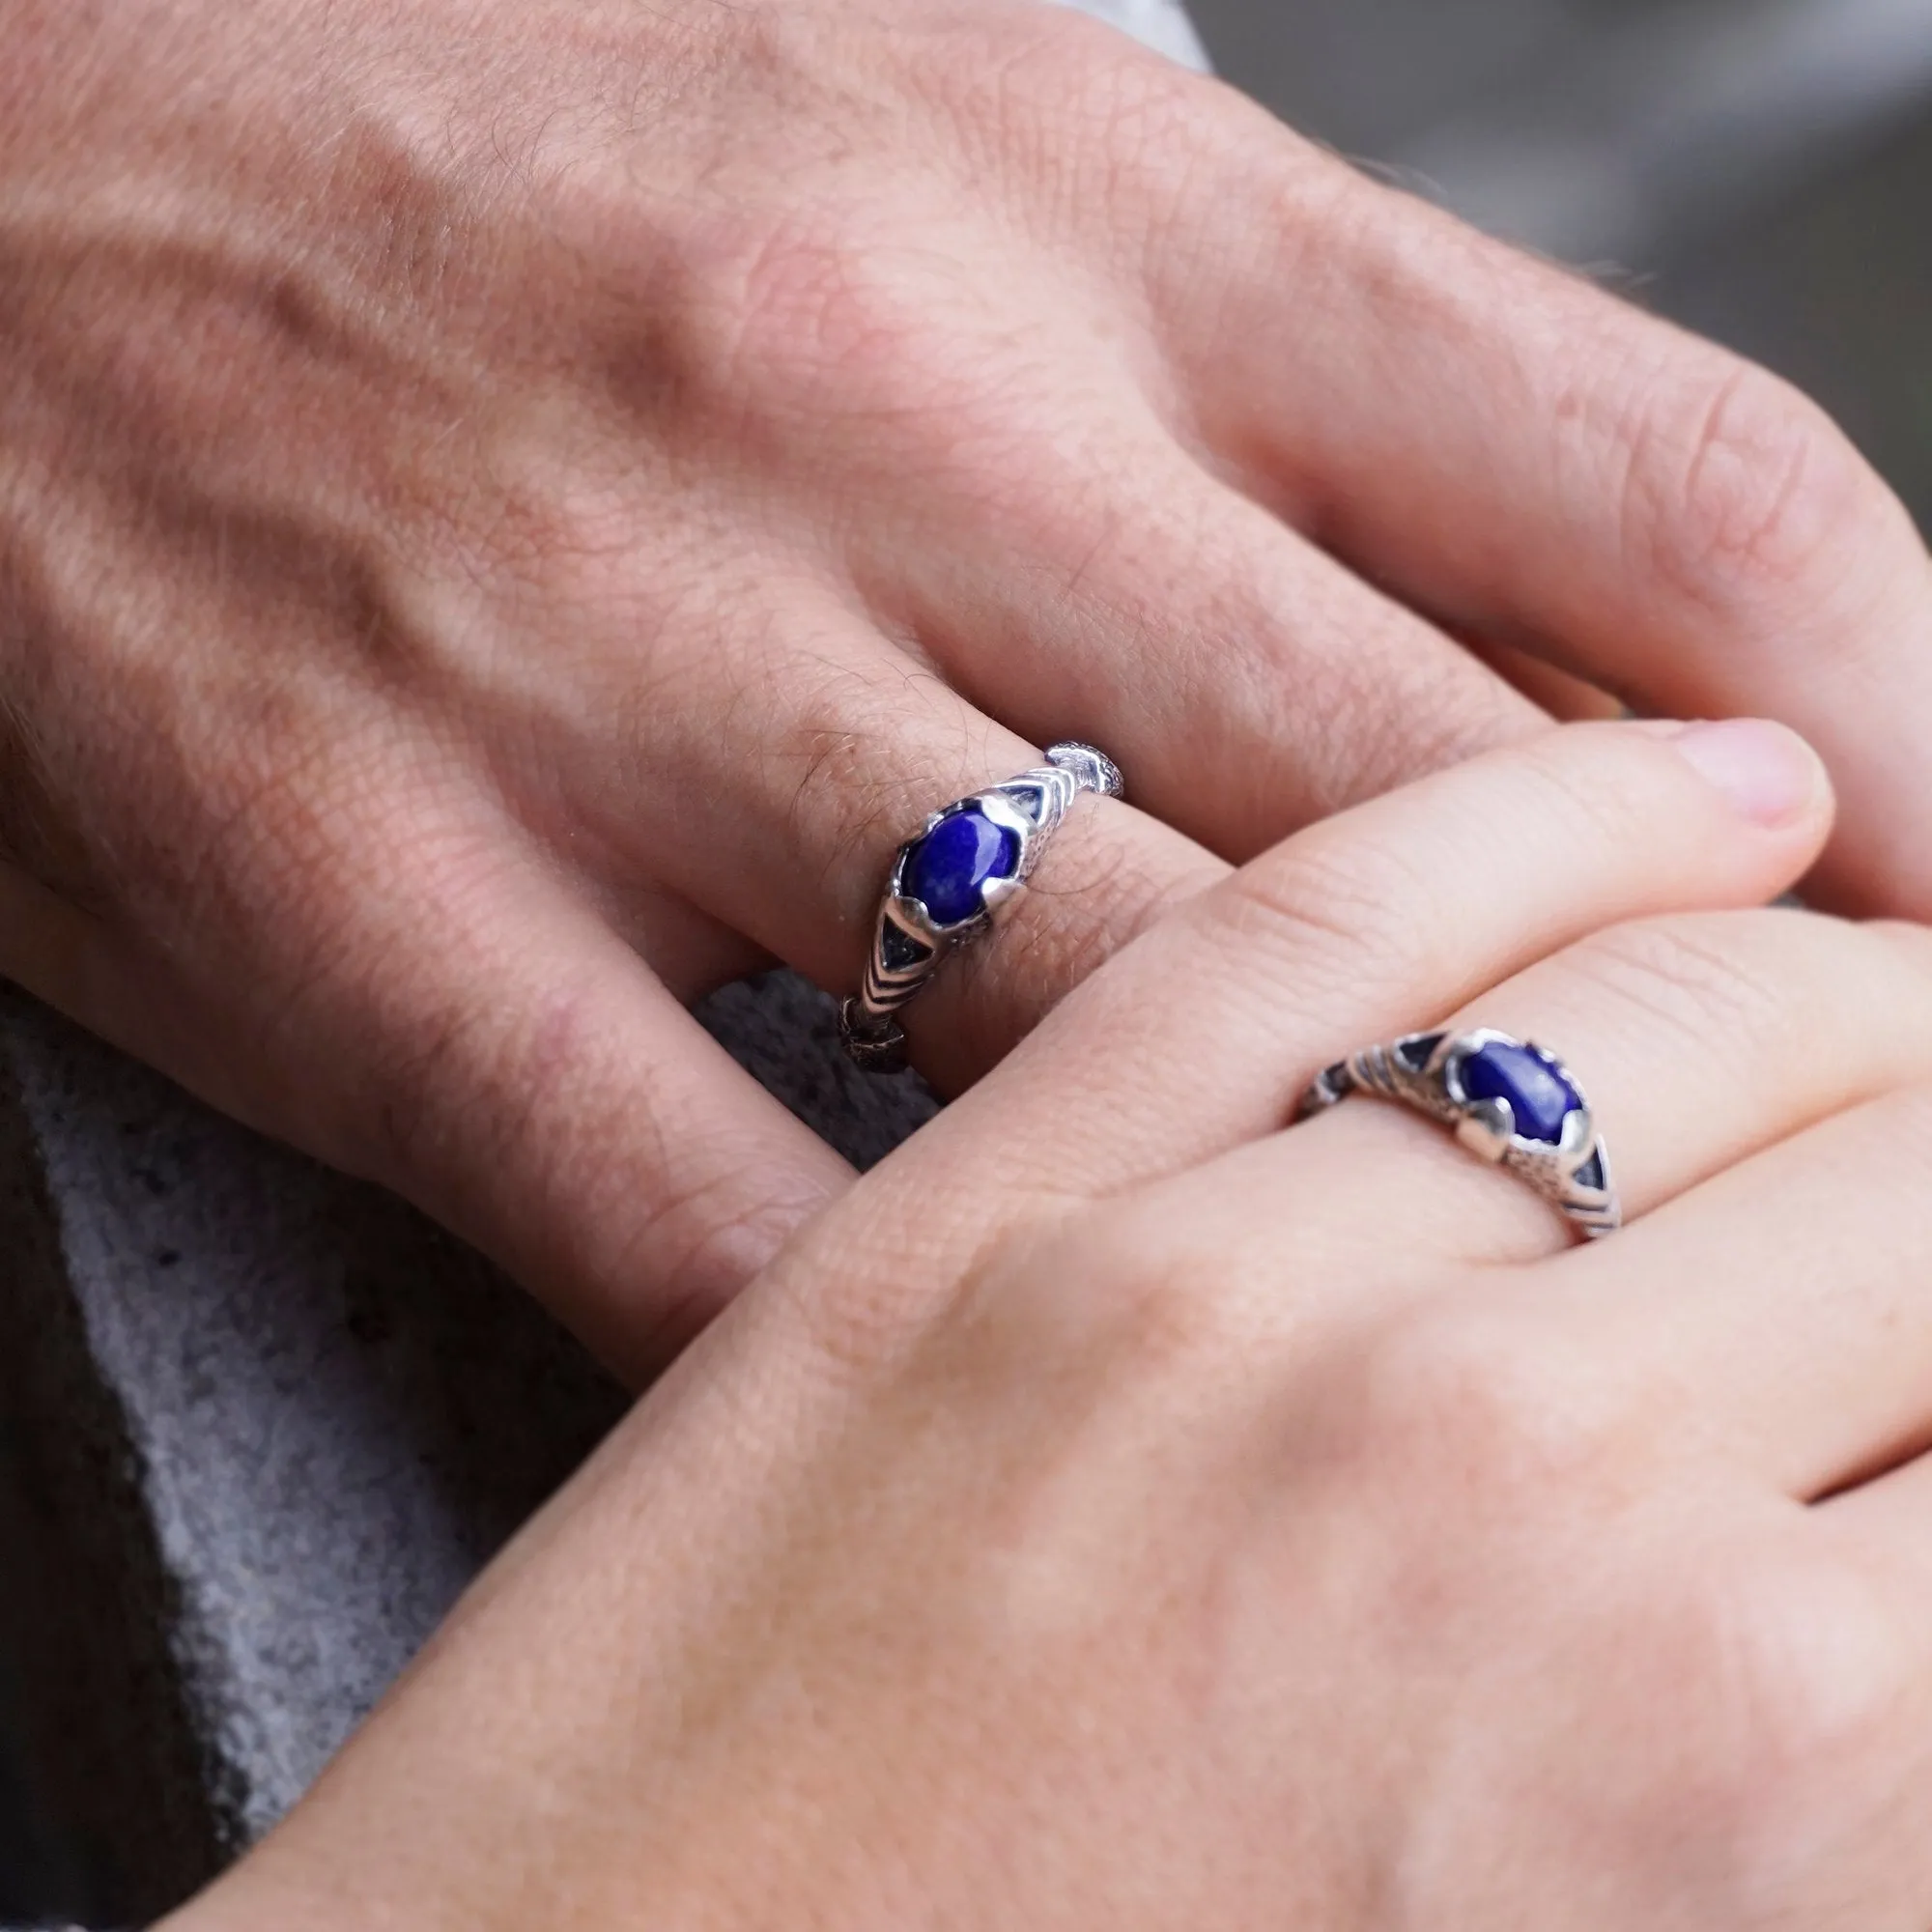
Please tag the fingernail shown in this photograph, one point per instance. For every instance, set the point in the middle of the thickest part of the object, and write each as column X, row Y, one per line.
column 1769, row 774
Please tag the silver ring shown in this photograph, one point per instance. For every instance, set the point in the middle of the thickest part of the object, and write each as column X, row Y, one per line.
column 958, row 879
column 1508, row 1102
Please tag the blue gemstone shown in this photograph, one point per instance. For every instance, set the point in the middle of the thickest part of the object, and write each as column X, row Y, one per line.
column 1529, row 1081
column 949, row 869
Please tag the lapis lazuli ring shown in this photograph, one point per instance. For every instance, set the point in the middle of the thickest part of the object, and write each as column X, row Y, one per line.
column 1508, row 1102
column 955, row 882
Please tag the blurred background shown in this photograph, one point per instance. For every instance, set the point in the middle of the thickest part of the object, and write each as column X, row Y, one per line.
column 1760, row 169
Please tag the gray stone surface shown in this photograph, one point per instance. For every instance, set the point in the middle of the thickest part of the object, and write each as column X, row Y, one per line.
column 295, row 1419
column 258, row 1425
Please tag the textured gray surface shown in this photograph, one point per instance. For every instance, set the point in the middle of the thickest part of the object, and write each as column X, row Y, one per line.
column 258, row 1425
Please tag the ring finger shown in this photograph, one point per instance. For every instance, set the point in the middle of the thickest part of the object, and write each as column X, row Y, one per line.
column 1791, row 1290
column 1249, row 683
column 836, row 749
column 1698, row 1041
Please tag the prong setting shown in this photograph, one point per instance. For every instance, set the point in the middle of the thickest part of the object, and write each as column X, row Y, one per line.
column 1472, row 1082
column 936, row 903
column 1488, row 1129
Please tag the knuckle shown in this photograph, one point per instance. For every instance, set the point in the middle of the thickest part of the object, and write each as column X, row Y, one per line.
column 1143, row 109
column 1741, row 489
column 818, row 313
column 1459, row 1394
column 1784, row 1667
column 1027, row 1289
column 1098, row 91
column 810, row 304
column 1128, row 1297
column 1151, row 1302
column 1821, row 1657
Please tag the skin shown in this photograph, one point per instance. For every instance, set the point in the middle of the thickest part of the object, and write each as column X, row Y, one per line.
column 1237, row 1527
column 511, row 509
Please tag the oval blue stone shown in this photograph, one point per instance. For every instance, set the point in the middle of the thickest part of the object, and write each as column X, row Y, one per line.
column 951, row 867
column 1529, row 1081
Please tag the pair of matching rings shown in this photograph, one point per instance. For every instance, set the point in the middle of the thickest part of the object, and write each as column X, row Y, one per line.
column 1508, row 1101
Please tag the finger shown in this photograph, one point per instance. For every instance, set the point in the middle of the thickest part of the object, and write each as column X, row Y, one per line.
column 1200, row 1036
column 1527, row 458
column 1125, row 597
column 1782, row 1303
column 836, row 749
column 1699, row 1040
column 500, row 1057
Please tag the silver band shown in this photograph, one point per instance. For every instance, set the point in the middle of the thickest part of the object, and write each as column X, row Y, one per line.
column 1545, row 1135
column 911, row 940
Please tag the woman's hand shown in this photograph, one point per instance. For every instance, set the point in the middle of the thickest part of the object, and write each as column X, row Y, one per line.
column 1121, row 1512
column 511, row 509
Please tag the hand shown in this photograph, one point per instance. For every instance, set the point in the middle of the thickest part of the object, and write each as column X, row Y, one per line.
column 509, row 511
column 1120, row 1512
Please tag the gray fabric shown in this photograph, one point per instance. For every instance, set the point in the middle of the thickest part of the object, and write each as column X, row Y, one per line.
column 258, row 1425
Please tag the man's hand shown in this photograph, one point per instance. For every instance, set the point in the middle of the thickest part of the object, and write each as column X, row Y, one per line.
column 510, row 512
